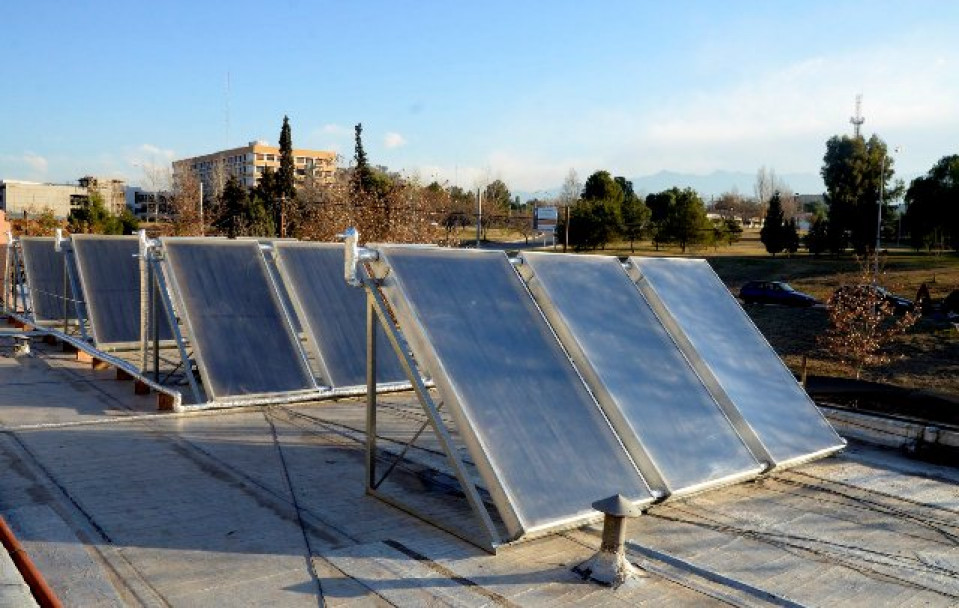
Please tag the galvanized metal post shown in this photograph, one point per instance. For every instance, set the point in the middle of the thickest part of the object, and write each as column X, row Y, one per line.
column 370, row 389
column 146, row 286
column 155, row 325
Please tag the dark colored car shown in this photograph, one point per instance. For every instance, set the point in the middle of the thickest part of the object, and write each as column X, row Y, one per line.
column 899, row 304
column 774, row 292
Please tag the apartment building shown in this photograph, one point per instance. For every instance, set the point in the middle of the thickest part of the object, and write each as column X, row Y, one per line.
column 249, row 162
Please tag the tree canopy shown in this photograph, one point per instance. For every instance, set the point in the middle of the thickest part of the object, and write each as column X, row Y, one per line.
column 773, row 234
column 852, row 170
column 93, row 217
column 932, row 212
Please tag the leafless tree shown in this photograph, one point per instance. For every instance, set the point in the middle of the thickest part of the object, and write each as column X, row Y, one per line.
column 185, row 203
column 862, row 325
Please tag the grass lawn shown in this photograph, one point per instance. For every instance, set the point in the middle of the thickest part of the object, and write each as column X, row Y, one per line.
column 928, row 355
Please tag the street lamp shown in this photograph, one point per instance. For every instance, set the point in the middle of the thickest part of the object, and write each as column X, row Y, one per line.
column 882, row 183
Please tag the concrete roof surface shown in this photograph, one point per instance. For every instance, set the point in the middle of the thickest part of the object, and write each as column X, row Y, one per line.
column 121, row 506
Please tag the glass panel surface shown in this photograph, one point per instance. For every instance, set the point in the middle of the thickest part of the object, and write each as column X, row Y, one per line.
column 240, row 336
column 334, row 313
column 44, row 267
column 548, row 444
column 110, row 274
column 746, row 367
column 660, row 397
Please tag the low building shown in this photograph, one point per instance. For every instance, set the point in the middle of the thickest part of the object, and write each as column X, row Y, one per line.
column 21, row 199
column 249, row 162
column 110, row 189
column 149, row 205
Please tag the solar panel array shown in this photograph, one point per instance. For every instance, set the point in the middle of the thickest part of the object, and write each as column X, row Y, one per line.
column 543, row 445
column 571, row 380
column 735, row 357
column 662, row 410
column 242, row 339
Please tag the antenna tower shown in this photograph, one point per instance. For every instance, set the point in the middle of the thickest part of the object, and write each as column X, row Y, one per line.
column 857, row 120
column 226, row 110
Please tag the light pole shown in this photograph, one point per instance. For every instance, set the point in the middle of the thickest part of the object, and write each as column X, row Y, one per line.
column 882, row 183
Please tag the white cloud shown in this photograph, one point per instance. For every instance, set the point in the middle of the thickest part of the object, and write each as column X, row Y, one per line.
column 35, row 162
column 156, row 151
column 394, row 140
column 332, row 129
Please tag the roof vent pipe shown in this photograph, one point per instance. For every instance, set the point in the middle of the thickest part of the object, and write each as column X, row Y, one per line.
column 609, row 566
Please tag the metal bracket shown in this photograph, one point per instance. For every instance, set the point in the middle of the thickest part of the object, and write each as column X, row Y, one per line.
column 377, row 313
column 156, row 273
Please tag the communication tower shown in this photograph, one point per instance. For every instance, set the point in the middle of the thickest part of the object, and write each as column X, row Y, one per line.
column 857, row 120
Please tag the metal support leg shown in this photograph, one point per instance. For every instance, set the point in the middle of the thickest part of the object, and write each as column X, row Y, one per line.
column 160, row 284
column 378, row 305
column 370, row 393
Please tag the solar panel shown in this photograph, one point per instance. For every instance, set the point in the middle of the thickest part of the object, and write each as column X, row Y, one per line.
column 540, row 441
column 110, row 275
column 695, row 303
column 50, row 290
column 658, row 404
column 333, row 313
column 242, row 340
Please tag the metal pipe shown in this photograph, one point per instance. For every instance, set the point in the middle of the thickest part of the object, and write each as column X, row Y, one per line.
column 126, row 366
column 42, row 592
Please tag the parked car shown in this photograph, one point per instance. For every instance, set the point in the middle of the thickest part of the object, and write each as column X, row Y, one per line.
column 899, row 304
column 774, row 292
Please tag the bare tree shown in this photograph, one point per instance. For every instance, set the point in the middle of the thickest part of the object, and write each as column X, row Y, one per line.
column 185, row 203
column 764, row 186
column 862, row 325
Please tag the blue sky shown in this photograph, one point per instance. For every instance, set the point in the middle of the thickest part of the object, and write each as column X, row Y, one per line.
column 468, row 92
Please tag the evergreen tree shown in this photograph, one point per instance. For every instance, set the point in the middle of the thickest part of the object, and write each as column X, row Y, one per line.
column 362, row 180
column 685, row 222
column 817, row 239
column 733, row 232
column 772, row 234
column 234, row 202
column 286, row 176
column 285, row 183
column 791, row 236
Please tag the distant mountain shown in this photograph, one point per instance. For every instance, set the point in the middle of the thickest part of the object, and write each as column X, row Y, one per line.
column 717, row 182
column 709, row 185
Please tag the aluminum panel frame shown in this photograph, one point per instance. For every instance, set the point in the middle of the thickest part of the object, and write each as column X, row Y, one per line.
column 559, row 476
column 283, row 336
column 737, row 363
column 667, row 418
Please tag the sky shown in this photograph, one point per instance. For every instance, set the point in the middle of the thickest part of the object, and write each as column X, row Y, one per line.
column 467, row 92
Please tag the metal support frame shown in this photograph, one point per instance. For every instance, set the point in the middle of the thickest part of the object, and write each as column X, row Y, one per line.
column 7, row 286
column 21, row 273
column 155, row 274
column 376, row 310
column 79, row 305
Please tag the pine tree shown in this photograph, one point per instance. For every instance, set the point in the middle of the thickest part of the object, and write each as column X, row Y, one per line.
column 285, row 178
column 817, row 239
column 772, row 233
column 362, row 181
column 791, row 236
